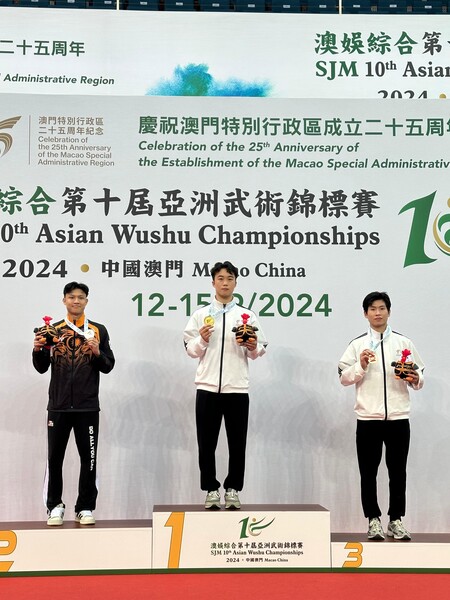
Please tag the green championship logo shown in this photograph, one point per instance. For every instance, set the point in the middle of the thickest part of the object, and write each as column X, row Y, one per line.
column 254, row 528
column 415, row 252
column 6, row 138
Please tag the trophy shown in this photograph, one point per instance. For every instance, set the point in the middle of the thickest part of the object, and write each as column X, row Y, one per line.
column 48, row 332
column 244, row 331
column 403, row 368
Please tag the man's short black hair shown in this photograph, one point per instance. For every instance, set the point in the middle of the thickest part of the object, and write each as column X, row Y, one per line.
column 73, row 285
column 224, row 265
column 373, row 297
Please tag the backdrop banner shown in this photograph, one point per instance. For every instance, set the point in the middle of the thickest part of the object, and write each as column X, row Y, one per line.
column 137, row 53
column 318, row 202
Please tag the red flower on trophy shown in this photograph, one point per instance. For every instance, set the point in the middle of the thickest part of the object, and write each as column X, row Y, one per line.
column 48, row 332
column 403, row 367
column 244, row 331
column 405, row 354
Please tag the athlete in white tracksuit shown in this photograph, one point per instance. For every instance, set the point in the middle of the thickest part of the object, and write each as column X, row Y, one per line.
column 222, row 378
column 382, row 404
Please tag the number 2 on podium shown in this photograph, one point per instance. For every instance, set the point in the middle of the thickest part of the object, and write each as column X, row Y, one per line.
column 10, row 539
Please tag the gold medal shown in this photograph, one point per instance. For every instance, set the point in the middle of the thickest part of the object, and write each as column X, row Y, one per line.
column 209, row 320
column 373, row 358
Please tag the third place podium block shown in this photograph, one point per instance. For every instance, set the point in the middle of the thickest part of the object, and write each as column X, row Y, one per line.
column 257, row 536
column 424, row 551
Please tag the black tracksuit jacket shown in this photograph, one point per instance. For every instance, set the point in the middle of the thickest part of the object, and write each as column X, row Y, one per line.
column 75, row 371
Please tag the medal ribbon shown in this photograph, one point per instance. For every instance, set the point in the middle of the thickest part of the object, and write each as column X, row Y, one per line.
column 374, row 345
column 77, row 329
column 215, row 313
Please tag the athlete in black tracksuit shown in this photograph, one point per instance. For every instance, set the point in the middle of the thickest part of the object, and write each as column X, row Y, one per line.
column 74, row 403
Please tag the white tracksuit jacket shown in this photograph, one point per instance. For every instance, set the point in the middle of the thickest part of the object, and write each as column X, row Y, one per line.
column 379, row 395
column 223, row 365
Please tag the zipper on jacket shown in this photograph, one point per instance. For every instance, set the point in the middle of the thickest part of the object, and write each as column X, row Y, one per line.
column 72, row 370
column 384, row 380
column 221, row 352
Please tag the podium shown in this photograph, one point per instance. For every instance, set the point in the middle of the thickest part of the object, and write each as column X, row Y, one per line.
column 424, row 551
column 109, row 545
column 257, row 536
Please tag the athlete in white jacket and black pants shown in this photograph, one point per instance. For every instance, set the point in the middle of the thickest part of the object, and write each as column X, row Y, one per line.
column 382, row 408
column 222, row 383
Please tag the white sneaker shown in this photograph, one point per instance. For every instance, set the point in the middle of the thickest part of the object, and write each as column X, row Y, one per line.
column 85, row 517
column 375, row 529
column 56, row 515
column 397, row 530
column 212, row 500
column 232, row 499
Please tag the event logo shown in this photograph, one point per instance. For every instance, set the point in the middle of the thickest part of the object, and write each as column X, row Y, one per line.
column 254, row 528
column 196, row 80
column 420, row 226
column 6, row 138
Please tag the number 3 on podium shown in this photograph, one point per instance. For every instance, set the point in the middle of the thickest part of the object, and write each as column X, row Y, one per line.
column 354, row 556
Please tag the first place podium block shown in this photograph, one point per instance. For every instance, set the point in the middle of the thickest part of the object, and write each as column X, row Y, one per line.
column 257, row 536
